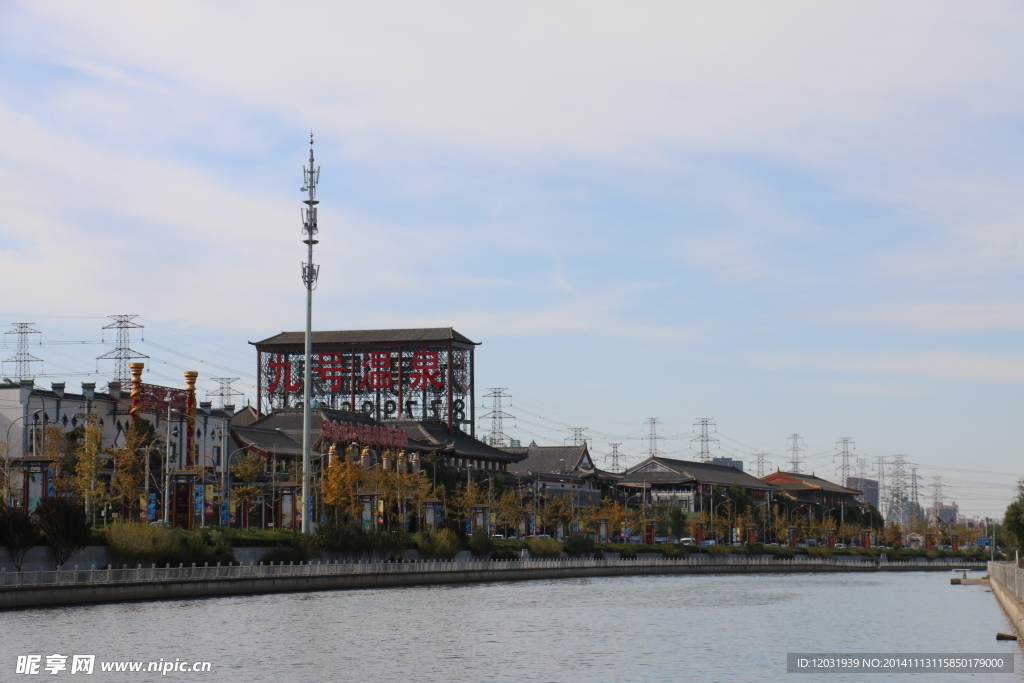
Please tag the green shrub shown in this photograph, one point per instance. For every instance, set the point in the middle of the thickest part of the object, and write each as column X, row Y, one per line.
column 134, row 542
column 627, row 553
column 544, row 547
column 481, row 543
column 719, row 550
column 673, row 551
column 578, row 544
column 504, row 553
column 599, row 554
column 817, row 552
column 444, row 543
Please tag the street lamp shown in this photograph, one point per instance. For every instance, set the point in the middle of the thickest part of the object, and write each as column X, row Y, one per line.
column 7, row 452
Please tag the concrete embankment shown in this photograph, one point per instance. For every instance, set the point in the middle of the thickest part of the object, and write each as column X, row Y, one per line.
column 1011, row 605
column 70, row 594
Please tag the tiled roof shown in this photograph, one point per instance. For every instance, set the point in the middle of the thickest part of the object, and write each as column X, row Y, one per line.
column 548, row 459
column 270, row 441
column 671, row 471
column 435, row 436
column 799, row 481
column 426, row 334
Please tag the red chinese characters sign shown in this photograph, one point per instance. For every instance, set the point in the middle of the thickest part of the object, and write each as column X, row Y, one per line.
column 333, row 430
column 409, row 381
column 154, row 399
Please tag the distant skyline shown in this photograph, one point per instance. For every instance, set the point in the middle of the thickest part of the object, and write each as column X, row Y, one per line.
column 795, row 218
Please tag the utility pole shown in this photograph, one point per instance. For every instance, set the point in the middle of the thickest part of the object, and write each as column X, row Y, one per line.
column 652, row 437
column 844, row 444
column 310, row 272
column 795, row 453
column 22, row 359
column 122, row 354
column 498, row 436
column 704, row 438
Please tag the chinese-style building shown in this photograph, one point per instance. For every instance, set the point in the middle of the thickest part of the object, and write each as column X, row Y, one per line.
column 815, row 494
column 406, row 374
column 683, row 483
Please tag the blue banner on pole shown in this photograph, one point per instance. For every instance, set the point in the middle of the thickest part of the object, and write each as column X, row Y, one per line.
column 225, row 514
column 200, row 498
column 151, row 507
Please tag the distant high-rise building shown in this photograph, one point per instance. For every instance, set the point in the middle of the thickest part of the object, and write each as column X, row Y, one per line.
column 728, row 462
column 868, row 486
column 946, row 515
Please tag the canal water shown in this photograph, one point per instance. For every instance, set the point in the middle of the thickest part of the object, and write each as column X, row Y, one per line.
column 650, row 628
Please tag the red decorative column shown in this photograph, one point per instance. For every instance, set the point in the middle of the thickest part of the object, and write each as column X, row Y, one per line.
column 700, row 533
column 865, row 538
column 190, row 417
column 136, row 395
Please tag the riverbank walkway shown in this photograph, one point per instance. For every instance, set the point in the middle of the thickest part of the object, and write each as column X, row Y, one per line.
column 93, row 585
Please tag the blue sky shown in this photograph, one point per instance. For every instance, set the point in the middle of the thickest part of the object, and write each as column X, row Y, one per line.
column 793, row 218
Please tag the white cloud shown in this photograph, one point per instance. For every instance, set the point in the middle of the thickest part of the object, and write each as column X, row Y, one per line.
column 985, row 316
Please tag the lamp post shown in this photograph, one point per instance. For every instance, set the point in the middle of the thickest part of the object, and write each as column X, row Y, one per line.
column 7, row 452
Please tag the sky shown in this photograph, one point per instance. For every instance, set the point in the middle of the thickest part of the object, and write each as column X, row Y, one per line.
column 792, row 218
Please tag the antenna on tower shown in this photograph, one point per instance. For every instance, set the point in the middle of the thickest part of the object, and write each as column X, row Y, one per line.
column 224, row 391
column 616, row 467
column 498, row 436
column 22, row 359
column 704, row 438
column 762, row 459
column 652, row 437
column 122, row 354
column 795, row 453
column 844, row 445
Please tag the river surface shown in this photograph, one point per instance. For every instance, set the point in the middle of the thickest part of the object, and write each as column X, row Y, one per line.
column 649, row 628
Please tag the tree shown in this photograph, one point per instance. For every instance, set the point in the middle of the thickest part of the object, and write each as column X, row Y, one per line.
column 1013, row 518
column 64, row 522
column 510, row 510
column 247, row 467
column 129, row 472
column 87, row 482
column 18, row 531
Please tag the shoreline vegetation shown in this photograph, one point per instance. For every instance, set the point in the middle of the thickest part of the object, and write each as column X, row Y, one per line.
column 133, row 543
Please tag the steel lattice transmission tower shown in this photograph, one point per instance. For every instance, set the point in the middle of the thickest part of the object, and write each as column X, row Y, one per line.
column 795, row 453
column 704, row 438
column 310, row 273
column 762, row 459
column 498, row 436
column 937, row 501
column 898, row 489
column 577, row 436
column 123, row 353
column 616, row 467
column 844, row 444
column 883, row 495
column 652, row 437
column 224, row 391
column 862, row 468
column 22, row 359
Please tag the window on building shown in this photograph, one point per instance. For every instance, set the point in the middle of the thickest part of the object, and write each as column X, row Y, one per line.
column 216, row 456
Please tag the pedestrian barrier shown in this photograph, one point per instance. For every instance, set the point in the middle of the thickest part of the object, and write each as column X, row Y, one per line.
column 139, row 574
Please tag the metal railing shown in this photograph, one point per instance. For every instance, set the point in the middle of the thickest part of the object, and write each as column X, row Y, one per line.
column 151, row 574
column 1010, row 576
